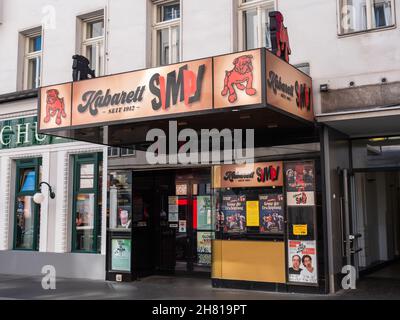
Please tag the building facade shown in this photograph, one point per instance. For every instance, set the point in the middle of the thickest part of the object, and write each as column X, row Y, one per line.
column 349, row 48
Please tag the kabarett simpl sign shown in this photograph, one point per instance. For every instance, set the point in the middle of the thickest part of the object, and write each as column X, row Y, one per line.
column 255, row 78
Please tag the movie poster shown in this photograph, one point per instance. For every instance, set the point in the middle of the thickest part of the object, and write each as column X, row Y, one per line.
column 300, row 176
column 121, row 255
column 271, row 213
column 204, row 213
column 302, row 262
column 234, row 211
column 204, row 240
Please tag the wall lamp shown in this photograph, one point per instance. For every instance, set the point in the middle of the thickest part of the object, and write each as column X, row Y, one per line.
column 38, row 198
column 324, row 88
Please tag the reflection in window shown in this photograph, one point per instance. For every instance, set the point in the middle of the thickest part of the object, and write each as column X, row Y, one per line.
column 25, row 223
column 120, row 193
column 27, row 182
column 84, row 221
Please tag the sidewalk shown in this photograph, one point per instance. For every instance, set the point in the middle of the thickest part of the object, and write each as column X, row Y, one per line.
column 175, row 288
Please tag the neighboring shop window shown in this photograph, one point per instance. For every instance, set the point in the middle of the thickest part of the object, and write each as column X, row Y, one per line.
column 253, row 24
column 363, row 15
column 86, row 220
column 166, row 33
column 27, row 213
column 32, row 59
column 93, row 43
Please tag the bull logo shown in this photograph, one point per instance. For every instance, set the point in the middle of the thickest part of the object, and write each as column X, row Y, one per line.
column 279, row 36
column 55, row 106
column 240, row 76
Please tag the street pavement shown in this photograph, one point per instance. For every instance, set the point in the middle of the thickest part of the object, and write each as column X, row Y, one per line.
column 176, row 288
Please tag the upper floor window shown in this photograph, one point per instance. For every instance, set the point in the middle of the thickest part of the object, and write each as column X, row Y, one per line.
column 253, row 21
column 166, row 32
column 364, row 15
column 32, row 60
column 93, row 43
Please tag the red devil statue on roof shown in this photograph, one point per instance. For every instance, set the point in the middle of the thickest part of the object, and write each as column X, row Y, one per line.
column 279, row 36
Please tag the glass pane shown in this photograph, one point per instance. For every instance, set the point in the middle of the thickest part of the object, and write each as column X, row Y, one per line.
column 35, row 44
column 91, row 53
column 33, row 73
column 353, row 15
column 27, row 180
column 251, row 29
column 25, row 222
column 86, row 176
column 84, row 221
column 266, row 40
column 175, row 44
column 382, row 13
column 163, row 36
column 170, row 12
column 120, row 200
column 95, row 29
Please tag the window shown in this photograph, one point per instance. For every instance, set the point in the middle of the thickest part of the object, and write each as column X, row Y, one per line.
column 166, row 33
column 113, row 152
column 32, row 60
column 27, row 213
column 86, row 222
column 128, row 151
column 363, row 15
column 93, row 43
column 253, row 21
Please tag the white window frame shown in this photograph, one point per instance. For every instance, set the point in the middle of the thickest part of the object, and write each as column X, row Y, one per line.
column 110, row 152
column 130, row 152
column 370, row 18
column 259, row 5
column 32, row 55
column 158, row 26
column 98, row 42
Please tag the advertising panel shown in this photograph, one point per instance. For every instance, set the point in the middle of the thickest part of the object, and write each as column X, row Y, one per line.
column 302, row 262
column 271, row 213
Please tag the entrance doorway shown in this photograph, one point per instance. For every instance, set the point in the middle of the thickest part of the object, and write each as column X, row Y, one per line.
column 371, row 207
column 376, row 218
column 176, row 231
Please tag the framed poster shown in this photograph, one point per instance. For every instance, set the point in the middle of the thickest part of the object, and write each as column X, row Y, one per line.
column 173, row 209
column 300, row 176
column 204, row 240
column 121, row 255
column 302, row 261
column 204, row 213
column 234, row 213
column 271, row 213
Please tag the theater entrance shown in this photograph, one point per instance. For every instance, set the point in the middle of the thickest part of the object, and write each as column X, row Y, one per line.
column 171, row 220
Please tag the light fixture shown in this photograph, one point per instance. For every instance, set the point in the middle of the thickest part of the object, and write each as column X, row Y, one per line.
column 324, row 87
column 39, row 197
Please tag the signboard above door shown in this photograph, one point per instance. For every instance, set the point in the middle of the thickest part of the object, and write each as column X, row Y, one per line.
column 256, row 79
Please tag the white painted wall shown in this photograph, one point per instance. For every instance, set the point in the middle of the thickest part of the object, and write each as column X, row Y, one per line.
column 209, row 28
column 55, row 220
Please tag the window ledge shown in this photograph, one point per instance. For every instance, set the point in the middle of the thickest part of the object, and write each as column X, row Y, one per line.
column 18, row 95
column 356, row 33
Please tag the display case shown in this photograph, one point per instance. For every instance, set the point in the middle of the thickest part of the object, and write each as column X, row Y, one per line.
column 120, row 219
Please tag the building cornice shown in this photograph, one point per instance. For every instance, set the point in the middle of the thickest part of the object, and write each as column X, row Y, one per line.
column 18, row 95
